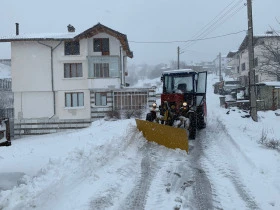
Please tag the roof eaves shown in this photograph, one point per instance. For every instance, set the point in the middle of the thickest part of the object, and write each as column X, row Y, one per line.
column 35, row 39
column 99, row 28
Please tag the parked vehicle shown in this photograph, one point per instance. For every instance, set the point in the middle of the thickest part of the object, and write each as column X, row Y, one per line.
column 229, row 86
column 218, row 88
column 5, row 139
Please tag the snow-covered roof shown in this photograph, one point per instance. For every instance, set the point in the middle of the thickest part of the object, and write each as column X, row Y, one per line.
column 231, row 53
column 179, row 71
column 244, row 43
column 98, row 28
column 43, row 36
column 274, row 83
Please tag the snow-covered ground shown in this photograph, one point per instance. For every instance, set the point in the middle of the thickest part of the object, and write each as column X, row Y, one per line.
column 111, row 166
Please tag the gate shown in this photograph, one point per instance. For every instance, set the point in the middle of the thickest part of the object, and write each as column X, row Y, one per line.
column 130, row 100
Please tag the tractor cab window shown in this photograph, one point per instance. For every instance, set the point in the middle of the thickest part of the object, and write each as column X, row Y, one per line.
column 183, row 84
column 178, row 84
column 167, row 87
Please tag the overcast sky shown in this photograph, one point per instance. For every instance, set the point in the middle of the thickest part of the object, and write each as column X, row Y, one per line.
column 146, row 21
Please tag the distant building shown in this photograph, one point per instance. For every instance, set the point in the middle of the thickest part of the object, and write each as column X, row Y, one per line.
column 259, row 56
column 224, row 63
column 239, row 61
column 233, row 64
column 207, row 66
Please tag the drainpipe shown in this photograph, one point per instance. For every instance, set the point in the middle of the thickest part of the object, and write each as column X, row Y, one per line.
column 52, row 49
column 121, row 67
column 124, row 70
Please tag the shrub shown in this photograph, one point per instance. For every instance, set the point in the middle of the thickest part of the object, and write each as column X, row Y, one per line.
column 128, row 114
column 138, row 113
column 263, row 138
column 274, row 144
column 269, row 143
column 113, row 115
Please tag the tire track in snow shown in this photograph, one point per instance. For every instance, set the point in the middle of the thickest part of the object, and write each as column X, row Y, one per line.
column 202, row 190
column 137, row 198
column 217, row 150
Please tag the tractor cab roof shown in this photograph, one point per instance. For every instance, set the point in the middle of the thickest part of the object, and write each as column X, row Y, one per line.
column 179, row 71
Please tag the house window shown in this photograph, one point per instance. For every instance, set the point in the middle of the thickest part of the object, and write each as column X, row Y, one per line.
column 74, row 99
column 73, row 70
column 103, row 64
column 256, row 78
column 256, row 63
column 100, row 99
column 243, row 67
column 72, row 48
column 276, row 58
column 101, row 70
column 101, row 45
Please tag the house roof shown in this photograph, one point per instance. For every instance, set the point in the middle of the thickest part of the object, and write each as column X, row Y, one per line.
column 244, row 43
column 231, row 53
column 38, row 37
column 98, row 28
column 274, row 83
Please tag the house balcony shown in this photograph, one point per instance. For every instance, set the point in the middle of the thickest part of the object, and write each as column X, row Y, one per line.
column 104, row 72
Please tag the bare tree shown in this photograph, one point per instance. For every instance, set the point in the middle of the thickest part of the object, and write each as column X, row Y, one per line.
column 270, row 60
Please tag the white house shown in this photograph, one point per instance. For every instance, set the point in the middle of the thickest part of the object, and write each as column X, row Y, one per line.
column 68, row 80
column 241, row 60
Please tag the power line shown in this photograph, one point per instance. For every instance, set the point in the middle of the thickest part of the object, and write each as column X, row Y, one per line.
column 190, row 40
column 202, row 29
column 219, row 22
column 216, row 19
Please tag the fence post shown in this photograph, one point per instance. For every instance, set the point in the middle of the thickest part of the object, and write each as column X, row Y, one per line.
column 8, row 134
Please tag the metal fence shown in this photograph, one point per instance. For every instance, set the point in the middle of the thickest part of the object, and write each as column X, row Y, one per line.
column 5, row 84
column 130, row 100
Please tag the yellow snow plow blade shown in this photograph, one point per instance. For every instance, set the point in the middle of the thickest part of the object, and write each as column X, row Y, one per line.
column 168, row 136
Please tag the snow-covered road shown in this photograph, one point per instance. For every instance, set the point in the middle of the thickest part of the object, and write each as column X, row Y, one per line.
column 111, row 166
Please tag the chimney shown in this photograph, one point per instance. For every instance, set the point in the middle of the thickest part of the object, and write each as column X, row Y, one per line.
column 17, row 29
column 71, row 28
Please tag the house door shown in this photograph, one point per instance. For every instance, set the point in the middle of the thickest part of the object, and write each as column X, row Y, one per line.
column 277, row 97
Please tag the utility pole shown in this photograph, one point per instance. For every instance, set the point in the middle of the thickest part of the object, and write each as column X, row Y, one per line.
column 178, row 60
column 252, row 87
column 220, row 67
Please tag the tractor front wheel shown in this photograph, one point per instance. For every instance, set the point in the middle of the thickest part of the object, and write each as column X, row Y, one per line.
column 193, row 125
column 200, row 118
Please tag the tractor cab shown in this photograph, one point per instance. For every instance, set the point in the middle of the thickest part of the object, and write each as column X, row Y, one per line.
column 184, row 85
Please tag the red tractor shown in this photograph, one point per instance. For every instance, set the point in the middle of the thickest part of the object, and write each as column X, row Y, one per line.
column 184, row 86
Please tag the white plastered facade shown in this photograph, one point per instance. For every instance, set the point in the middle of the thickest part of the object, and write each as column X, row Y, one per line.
column 32, row 68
